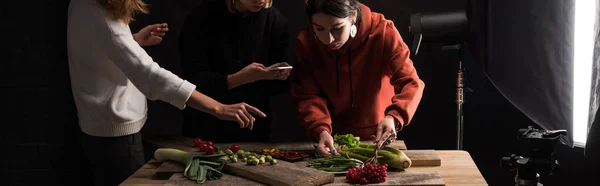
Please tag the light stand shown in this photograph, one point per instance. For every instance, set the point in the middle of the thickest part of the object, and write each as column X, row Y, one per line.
column 459, row 94
column 448, row 28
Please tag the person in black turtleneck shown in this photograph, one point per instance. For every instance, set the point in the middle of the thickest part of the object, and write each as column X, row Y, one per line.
column 227, row 48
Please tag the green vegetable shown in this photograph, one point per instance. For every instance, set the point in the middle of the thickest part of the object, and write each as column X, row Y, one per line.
column 273, row 161
column 169, row 154
column 240, row 152
column 333, row 163
column 269, row 158
column 347, row 140
column 199, row 168
column 254, row 162
column 201, row 176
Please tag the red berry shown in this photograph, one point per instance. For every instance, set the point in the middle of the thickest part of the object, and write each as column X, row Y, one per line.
column 203, row 147
column 197, row 142
column 210, row 150
column 235, row 147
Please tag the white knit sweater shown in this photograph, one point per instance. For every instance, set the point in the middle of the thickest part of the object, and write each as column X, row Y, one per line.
column 112, row 75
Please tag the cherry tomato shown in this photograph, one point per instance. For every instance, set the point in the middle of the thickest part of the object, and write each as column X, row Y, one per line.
column 198, row 142
column 203, row 147
column 209, row 143
column 210, row 150
column 235, row 147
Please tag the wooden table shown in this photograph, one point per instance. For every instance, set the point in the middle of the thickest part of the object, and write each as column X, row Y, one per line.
column 457, row 169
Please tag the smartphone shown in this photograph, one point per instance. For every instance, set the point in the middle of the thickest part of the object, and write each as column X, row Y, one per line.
column 280, row 68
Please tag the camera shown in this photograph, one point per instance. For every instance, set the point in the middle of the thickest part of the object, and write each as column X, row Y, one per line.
column 539, row 160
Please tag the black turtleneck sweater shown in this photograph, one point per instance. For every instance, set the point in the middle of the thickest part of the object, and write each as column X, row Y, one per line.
column 215, row 43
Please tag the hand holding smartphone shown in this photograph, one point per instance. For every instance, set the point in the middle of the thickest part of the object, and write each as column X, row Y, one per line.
column 280, row 68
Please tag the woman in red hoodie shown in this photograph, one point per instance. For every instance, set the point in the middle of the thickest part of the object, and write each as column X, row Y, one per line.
column 353, row 75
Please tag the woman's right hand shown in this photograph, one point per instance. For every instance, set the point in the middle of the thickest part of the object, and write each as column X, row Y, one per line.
column 241, row 113
column 325, row 146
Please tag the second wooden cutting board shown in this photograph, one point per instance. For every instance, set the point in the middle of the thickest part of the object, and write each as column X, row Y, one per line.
column 283, row 173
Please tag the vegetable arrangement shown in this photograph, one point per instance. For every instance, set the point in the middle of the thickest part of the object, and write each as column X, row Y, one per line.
column 334, row 163
column 208, row 166
column 351, row 147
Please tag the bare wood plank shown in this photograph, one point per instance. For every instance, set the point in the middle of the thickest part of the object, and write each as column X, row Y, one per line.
column 423, row 158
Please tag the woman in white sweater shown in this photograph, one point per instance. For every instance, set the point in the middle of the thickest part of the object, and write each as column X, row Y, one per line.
column 111, row 78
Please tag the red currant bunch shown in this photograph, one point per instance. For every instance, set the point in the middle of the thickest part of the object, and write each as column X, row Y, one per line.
column 369, row 173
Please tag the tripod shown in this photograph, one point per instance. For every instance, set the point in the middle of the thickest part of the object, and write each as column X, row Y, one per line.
column 542, row 161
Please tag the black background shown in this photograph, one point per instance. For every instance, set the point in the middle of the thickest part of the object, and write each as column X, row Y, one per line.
column 40, row 122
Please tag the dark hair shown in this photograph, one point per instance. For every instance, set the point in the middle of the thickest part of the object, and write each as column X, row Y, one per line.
column 337, row 8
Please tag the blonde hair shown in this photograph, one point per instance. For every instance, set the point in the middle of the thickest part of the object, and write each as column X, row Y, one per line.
column 232, row 9
column 124, row 10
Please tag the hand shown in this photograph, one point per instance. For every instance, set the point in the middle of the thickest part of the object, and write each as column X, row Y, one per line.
column 253, row 72
column 386, row 132
column 240, row 113
column 279, row 74
column 325, row 146
column 151, row 34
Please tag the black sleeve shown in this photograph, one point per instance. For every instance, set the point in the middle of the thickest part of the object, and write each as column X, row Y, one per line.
column 193, row 48
column 279, row 50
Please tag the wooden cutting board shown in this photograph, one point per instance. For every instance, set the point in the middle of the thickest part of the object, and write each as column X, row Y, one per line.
column 284, row 174
column 418, row 157
column 403, row 178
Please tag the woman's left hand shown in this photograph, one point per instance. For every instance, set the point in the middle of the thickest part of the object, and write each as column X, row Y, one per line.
column 386, row 131
column 151, row 34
